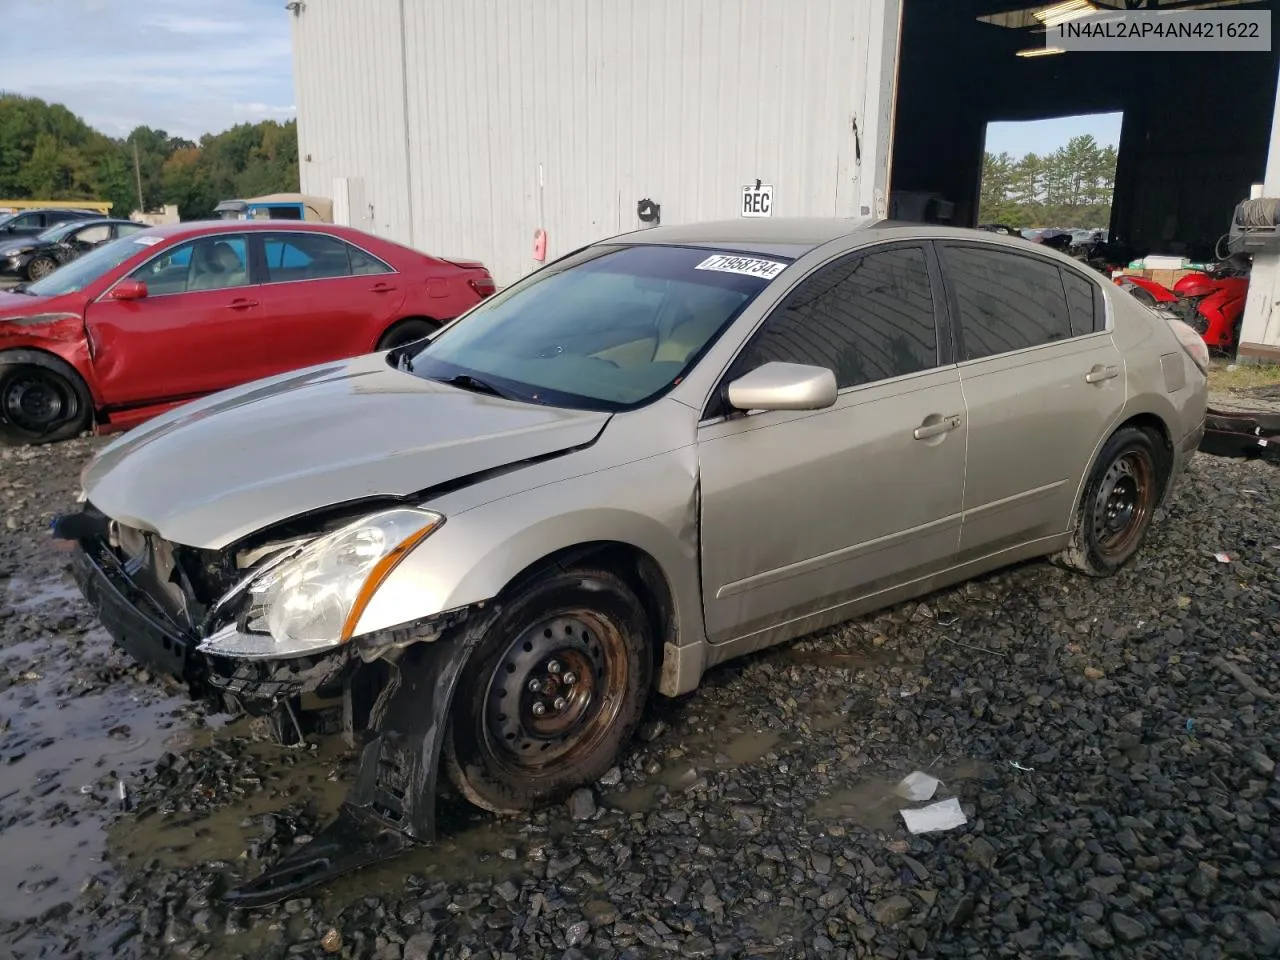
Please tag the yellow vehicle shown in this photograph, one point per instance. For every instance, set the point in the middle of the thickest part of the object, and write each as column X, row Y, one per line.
column 13, row 206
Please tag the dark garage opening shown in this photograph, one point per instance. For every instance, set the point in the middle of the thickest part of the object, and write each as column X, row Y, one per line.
column 1196, row 125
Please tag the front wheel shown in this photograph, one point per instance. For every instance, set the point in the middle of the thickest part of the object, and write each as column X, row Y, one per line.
column 42, row 400
column 41, row 267
column 553, row 693
column 1119, row 501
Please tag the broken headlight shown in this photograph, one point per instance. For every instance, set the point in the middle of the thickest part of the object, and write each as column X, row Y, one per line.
column 313, row 600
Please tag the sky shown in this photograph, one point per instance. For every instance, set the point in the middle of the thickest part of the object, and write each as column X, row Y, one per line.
column 176, row 65
column 1045, row 136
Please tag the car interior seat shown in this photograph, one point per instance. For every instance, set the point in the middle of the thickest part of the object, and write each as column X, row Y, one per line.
column 214, row 266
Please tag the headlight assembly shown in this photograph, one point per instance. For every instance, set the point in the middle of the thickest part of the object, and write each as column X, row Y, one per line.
column 313, row 601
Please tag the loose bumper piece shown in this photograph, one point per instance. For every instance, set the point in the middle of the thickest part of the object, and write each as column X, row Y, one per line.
column 391, row 805
column 1251, row 435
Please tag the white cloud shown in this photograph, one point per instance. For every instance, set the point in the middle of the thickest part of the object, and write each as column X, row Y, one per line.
column 195, row 25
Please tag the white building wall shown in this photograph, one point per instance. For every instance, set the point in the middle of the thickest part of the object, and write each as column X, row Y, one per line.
column 1260, row 331
column 349, row 86
column 562, row 114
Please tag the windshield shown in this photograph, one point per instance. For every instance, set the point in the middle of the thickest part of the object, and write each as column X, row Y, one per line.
column 78, row 274
column 608, row 329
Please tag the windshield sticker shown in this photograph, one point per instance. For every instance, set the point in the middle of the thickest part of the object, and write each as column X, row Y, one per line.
column 749, row 266
column 147, row 241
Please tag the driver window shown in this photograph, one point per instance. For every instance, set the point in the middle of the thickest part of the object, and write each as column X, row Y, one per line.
column 218, row 262
column 867, row 317
column 94, row 234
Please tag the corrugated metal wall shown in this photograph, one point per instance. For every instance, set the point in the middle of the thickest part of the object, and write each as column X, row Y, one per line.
column 563, row 114
column 349, row 84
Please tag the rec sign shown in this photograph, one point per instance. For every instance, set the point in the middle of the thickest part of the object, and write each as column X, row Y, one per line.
column 757, row 201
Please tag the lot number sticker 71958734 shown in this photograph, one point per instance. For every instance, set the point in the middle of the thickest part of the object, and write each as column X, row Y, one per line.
column 750, row 266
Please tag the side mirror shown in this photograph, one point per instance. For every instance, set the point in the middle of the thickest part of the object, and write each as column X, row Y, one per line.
column 784, row 386
column 129, row 290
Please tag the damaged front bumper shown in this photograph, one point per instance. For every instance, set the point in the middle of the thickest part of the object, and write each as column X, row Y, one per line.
column 401, row 716
column 140, row 628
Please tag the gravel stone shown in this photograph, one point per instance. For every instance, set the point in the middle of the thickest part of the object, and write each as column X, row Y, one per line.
column 892, row 910
column 582, row 804
column 1127, row 928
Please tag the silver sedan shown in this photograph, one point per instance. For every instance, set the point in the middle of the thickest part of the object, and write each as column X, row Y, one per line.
column 657, row 453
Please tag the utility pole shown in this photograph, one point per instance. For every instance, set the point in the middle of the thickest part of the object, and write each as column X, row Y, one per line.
column 137, row 176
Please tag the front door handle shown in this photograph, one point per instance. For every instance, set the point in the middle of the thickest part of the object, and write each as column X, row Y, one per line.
column 240, row 303
column 1100, row 373
column 936, row 427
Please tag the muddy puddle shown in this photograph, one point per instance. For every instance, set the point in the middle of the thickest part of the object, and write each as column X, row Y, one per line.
column 70, row 743
column 874, row 803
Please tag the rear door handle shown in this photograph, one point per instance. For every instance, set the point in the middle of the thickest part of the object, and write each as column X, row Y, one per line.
column 1100, row 373
column 240, row 303
column 382, row 288
column 937, row 427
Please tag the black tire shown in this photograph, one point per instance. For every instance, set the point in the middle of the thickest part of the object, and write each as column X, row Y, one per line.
column 1119, row 500
column 406, row 331
column 40, row 267
column 575, row 644
column 42, row 399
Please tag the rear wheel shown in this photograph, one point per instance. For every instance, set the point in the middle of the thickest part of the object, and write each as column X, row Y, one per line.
column 406, row 331
column 42, row 400
column 554, row 691
column 41, row 267
column 1119, row 501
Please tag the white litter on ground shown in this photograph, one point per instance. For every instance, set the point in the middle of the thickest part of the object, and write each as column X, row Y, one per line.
column 917, row 786
column 943, row 815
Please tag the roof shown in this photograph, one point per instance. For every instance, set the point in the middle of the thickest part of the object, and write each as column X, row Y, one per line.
column 203, row 227
column 780, row 235
column 796, row 236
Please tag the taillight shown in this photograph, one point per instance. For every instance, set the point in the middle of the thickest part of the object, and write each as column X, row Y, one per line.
column 1191, row 342
column 483, row 286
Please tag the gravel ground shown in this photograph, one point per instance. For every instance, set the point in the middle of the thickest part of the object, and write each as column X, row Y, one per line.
column 1113, row 745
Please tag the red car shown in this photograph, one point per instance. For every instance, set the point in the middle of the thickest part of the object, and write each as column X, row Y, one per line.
column 158, row 318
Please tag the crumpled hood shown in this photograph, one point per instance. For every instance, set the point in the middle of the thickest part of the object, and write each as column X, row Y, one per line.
column 218, row 469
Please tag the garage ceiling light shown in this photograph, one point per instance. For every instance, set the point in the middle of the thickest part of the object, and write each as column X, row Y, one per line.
column 1034, row 16
column 1040, row 51
column 1064, row 12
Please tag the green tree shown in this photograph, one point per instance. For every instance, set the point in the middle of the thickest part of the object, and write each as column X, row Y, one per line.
column 47, row 152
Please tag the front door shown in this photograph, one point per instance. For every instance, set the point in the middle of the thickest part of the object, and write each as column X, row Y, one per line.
column 193, row 333
column 806, row 511
column 1044, row 384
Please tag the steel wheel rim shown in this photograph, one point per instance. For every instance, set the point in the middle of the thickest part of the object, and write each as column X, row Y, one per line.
column 556, row 689
column 40, row 268
column 37, row 401
column 1124, row 503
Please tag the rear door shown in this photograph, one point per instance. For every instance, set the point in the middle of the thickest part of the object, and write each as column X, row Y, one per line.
column 806, row 512
column 1043, row 383
column 323, row 299
column 192, row 334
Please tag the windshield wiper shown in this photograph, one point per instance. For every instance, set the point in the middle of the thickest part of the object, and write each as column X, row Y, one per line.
column 465, row 381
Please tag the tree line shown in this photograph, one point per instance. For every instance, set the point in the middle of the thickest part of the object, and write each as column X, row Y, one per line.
column 49, row 153
column 1070, row 187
